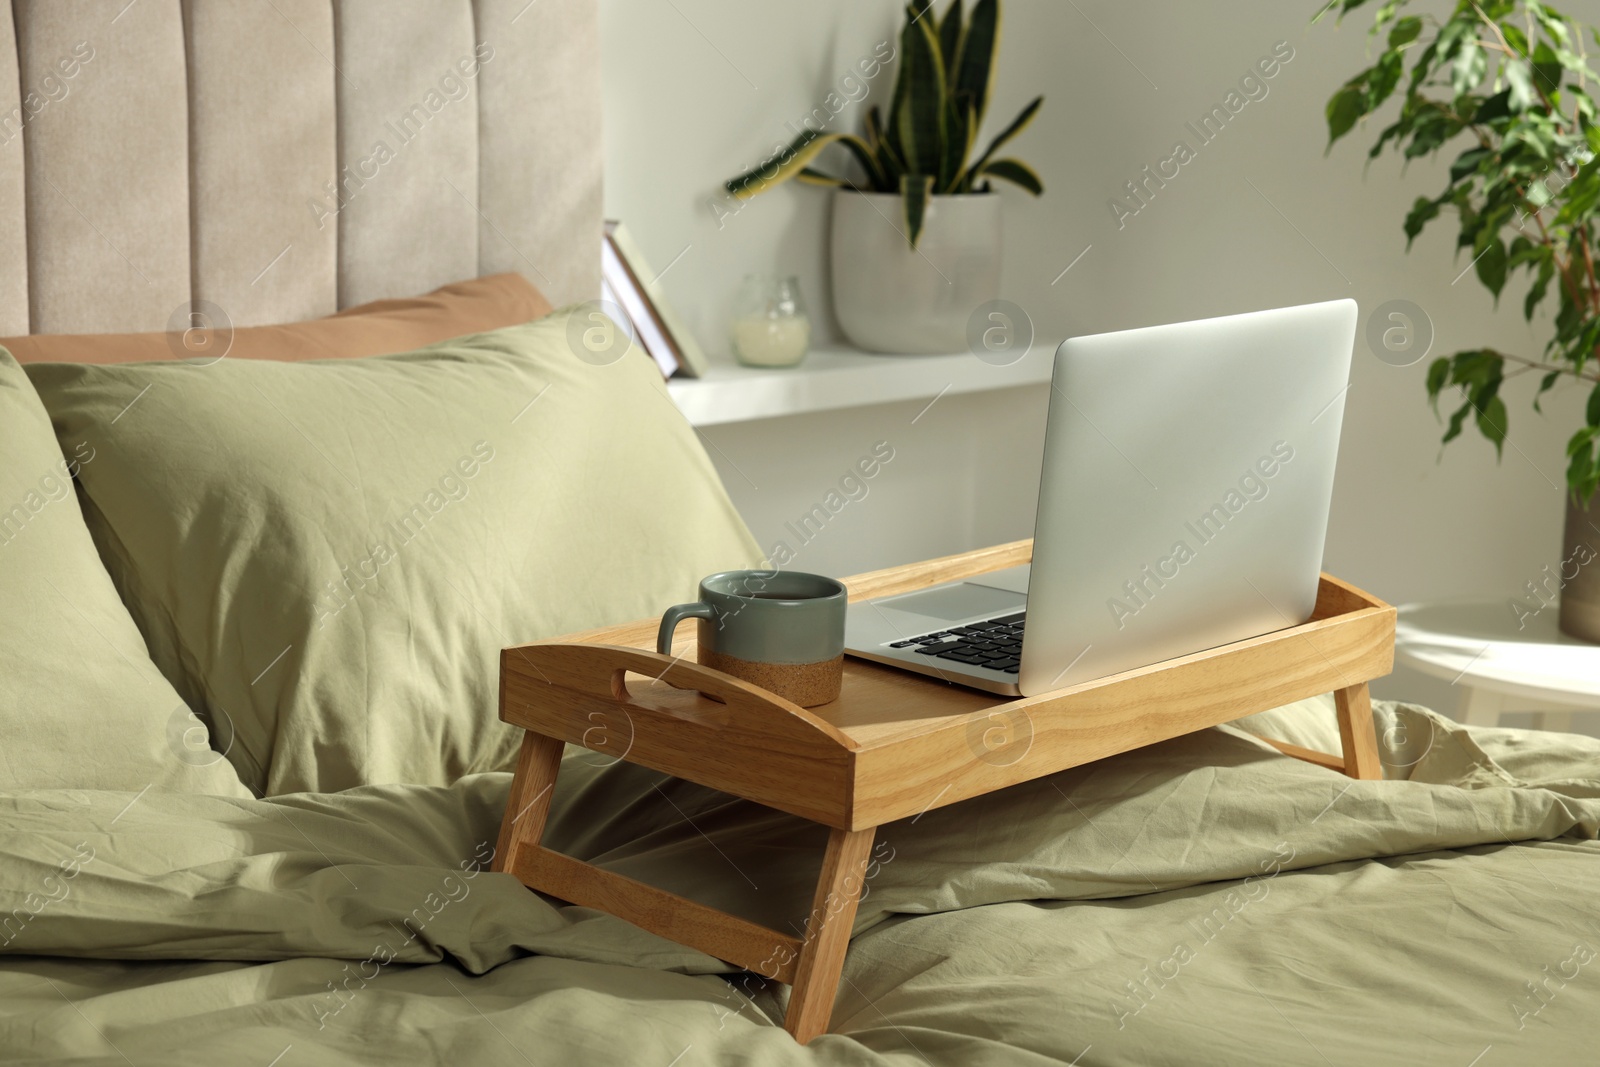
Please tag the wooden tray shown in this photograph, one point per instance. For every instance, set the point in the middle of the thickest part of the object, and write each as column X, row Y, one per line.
column 893, row 745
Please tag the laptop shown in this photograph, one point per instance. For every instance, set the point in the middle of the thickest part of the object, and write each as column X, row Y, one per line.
column 1183, row 504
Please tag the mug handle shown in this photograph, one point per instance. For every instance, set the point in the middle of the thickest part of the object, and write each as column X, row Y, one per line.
column 676, row 614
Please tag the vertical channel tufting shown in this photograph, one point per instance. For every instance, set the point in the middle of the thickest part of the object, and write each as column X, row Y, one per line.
column 408, row 146
column 263, row 153
column 13, row 208
column 105, row 164
column 540, row 151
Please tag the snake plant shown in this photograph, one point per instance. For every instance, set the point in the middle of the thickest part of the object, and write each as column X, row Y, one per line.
column 922, row 149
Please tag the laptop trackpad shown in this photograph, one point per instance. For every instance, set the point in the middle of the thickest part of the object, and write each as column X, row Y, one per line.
column 954, row 602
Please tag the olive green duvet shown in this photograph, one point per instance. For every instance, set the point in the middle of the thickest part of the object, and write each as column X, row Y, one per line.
column 1204, row 901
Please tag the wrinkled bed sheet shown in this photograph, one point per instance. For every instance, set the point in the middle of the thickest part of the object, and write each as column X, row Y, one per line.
column 1202, row 901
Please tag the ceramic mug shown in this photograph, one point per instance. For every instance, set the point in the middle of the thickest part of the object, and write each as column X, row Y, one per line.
column 780, row 630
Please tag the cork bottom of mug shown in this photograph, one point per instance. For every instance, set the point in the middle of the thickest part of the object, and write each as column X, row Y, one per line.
column 806, row 684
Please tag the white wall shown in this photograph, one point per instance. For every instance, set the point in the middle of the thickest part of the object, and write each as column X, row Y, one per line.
column 698, row 89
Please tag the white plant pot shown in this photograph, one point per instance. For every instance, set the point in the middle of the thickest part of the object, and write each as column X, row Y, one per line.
column 892, row 298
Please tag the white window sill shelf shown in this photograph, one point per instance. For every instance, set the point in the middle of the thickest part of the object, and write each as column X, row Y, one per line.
column 835, row 377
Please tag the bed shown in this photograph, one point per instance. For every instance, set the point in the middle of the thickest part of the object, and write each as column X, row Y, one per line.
column 209, row 854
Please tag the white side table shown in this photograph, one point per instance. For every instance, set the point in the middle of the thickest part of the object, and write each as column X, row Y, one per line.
column 1498, row 666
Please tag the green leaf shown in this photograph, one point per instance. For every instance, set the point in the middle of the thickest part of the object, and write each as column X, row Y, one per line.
column 1344, row 108
column 1515, row 38
column 1471, row 64
column 1454, row 429
column 778, row 168
column 1524, row 251
column 878, row 142
column 922, row 111
column 1016, row 172
column 808, row 176
column 1582, row 195
column 1018, row 124
column 1385, row 76
column 1438, row 375
column 874, row 124
column 961, row 151
column 950, row 35
column 1537, row 290
column 897, row 99
column 1480, row 369
column 876, row 178
column 1592, row 411
column 1552, row 23
column 1422, row 212
column 914, row 193
column 1522, row 95
column 1405, row 31
column 974, row 71
column 1581, row 439
column 1545, row 385
column 1492, row 423
column 1492, row 264
column 1382, row 16
column 1582, row 349
column 1467, row 162
column 1583, row 471
column 1582, row 475
column 1423, row 66
column 794, row 159
column 1431, row 130
column 1390, row 133
column 958, row 137
column 1344, row 6
column 1493, row 108
column 1583, row 103
column 1546, row 68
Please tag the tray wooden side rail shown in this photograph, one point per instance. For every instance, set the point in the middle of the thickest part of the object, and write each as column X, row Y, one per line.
column 892, row 746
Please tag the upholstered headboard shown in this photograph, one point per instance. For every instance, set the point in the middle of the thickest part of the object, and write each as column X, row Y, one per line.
column 280, row 159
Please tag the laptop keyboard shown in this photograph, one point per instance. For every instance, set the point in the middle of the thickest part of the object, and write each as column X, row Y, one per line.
column 993, row 643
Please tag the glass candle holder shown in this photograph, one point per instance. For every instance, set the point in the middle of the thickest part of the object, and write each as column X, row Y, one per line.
column 771, row 327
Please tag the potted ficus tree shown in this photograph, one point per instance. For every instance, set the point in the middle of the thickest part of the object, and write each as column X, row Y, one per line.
column 916, row 238
column 1505, row 84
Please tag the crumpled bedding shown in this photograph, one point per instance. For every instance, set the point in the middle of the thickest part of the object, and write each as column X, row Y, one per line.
column 1205, row 900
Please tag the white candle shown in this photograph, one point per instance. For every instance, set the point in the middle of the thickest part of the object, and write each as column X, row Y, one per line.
column 771, row 341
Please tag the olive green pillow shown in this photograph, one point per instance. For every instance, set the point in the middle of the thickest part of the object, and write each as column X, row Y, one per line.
column 330, row 555
column 81, row 705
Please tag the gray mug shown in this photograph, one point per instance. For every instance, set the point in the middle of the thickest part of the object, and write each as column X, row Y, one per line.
column 780, row 630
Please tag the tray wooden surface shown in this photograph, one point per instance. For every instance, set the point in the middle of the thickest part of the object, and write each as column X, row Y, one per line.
column 895, row 744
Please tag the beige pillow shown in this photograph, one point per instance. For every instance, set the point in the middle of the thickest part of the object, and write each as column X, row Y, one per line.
column 330, row 555
column 81, row 705
column 374, row 329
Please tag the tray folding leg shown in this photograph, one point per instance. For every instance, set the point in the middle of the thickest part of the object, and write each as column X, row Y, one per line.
column 1358, row 738
column 833, row 913
column 1356, row 733
column 811, row 964
column 528, row 807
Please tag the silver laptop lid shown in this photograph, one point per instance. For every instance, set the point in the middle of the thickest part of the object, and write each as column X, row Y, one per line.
column 1188, row 472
